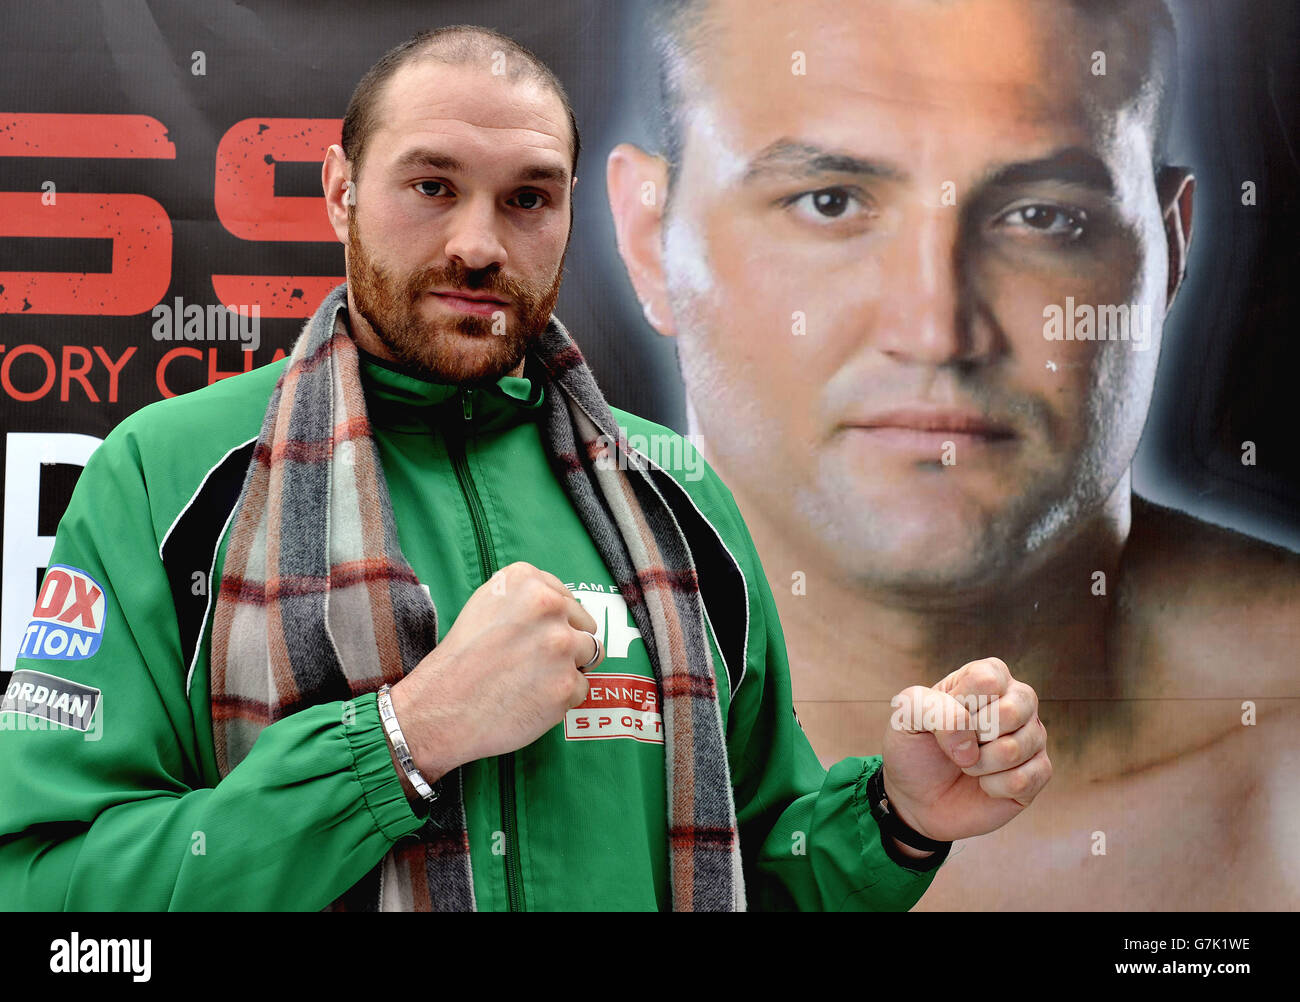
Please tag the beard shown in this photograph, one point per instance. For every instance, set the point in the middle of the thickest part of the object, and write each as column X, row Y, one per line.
column 466, row 350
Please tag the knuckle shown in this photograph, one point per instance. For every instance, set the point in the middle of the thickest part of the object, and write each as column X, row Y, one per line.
column 561, row 690
column 997, row 666
column 974, row 675
column 1007, row 750
column 542, row 600
column 557, row 641
column 986, row 673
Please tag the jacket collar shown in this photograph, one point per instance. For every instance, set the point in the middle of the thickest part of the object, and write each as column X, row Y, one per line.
column 401, row 400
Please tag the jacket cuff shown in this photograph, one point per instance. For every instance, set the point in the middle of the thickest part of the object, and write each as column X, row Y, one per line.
column 373, row 765
column 903, row 880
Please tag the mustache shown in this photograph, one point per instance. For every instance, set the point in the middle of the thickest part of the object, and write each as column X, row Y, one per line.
column 486, row 280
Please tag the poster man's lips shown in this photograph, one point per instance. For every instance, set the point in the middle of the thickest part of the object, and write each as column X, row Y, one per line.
column 917, row 419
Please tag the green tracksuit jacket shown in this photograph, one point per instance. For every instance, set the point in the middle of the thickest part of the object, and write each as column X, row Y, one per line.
column 119, row 805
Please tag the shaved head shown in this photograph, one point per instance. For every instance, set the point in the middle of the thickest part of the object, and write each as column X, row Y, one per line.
column 682, row 30
column 457, row 45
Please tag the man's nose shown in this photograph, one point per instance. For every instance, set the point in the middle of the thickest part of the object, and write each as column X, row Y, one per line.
column 474, row 239
column 926, row 313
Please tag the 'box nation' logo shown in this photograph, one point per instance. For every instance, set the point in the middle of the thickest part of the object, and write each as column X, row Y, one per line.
column 68, row 621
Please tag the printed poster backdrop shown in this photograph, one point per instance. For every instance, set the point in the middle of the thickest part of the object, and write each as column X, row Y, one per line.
column 168, row 154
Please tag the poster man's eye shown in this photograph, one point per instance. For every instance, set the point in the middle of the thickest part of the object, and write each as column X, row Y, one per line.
column 530, row 200
column 438, row 186
column 826, row 205
column 1051, row 220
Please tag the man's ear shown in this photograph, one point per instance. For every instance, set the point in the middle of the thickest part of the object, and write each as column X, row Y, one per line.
column 638, row 185
column 1175, row 188
column 340, row 195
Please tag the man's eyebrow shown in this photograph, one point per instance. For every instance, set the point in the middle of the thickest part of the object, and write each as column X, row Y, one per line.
column 431, row 159
column 539, row 172
column 791, row 157
column 1074, row 166
column 426, row 159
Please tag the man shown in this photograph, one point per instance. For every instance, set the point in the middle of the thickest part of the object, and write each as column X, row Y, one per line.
column 870, row 224
column 607, row 722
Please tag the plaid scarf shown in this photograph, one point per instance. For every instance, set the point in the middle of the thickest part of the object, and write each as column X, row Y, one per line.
column 317, row 603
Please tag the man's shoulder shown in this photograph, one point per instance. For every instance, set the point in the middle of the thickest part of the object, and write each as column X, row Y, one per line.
column 1199, row 558
column 1217, row 601
column 167, row 448
column 205, row 420
column 677, row 455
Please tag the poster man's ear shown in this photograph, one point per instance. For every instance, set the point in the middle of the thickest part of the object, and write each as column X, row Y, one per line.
column 1175, row 188
column 637, row 182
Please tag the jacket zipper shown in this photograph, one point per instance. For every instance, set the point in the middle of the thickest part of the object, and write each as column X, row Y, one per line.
column 487, row 567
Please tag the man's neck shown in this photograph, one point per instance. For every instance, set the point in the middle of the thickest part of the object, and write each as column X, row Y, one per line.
column 848, row 641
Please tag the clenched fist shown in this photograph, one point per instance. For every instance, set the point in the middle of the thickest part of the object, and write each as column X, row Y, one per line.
column 504, row 675
column 967, row 755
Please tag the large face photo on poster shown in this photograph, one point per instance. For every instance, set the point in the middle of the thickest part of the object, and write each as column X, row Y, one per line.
column 980, row 308
column 921, row 262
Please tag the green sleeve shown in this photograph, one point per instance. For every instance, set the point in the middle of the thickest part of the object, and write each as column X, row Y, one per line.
column 807, row 837
column 124, row 816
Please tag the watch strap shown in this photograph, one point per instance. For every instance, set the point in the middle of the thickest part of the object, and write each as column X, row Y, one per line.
column 892, row 828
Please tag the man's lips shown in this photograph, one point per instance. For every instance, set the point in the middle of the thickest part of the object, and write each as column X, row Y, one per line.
column 926, row 430
column 956, row 422
column 478, row 303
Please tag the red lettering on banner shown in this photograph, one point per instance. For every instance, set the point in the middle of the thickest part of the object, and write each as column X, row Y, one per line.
column 141, row 263
column 160, row 373
column 75, row 364
column 7, row 383
column 245, row 183
column 248, row 207
column 138, row 226
column 78, row 373
column 214, row 373
column 134, row 137
column 114, row 368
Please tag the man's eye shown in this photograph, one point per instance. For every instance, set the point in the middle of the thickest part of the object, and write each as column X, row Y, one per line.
column 432, row 184
column 1051, row 220
column 530, row 200
column 825, row 204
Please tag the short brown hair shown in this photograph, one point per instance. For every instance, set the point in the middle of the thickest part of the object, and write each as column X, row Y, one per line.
column 455, row 45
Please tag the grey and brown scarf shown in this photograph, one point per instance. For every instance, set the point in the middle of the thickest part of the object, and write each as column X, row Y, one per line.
column 317, row 603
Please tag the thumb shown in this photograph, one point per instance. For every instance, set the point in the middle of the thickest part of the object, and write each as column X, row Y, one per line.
column 918, row 710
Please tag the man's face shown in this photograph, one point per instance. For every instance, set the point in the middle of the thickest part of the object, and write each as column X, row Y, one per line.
column 456, row 243
column 859, row 258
